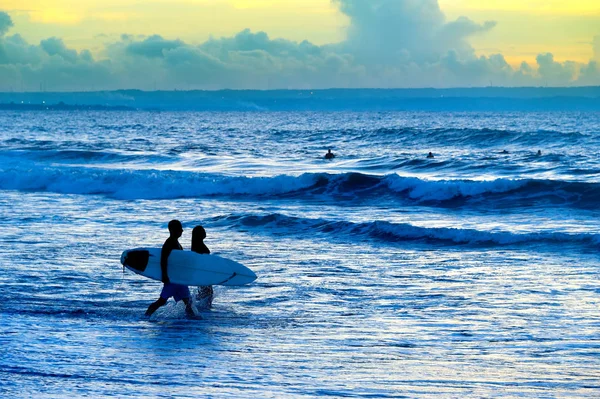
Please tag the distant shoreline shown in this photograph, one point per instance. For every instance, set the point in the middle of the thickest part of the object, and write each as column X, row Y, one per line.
column 450, row 100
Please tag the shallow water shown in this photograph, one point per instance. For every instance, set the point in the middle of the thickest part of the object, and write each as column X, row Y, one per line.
column 381, row 273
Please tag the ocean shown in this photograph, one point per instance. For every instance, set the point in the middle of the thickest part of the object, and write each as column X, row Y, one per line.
column 381, row 273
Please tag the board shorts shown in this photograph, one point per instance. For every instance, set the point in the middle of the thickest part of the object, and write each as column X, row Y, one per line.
column 177, row 291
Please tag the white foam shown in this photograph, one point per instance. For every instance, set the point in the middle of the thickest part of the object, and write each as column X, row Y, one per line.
column 441, row 190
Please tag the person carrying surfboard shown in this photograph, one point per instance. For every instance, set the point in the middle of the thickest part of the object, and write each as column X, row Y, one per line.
column 205, row 292
column 177, row 291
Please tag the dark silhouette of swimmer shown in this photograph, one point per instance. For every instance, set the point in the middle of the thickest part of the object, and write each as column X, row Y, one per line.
column 539, row 153
column 329, row 155
column 430, row 155
column 177, row 291
column 205, row 292
column 504, row 152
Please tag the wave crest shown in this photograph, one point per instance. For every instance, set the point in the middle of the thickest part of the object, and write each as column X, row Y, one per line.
column 167, row 184
column 401, row 232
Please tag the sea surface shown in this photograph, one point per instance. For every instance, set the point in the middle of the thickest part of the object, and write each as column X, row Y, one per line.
column 381, row 273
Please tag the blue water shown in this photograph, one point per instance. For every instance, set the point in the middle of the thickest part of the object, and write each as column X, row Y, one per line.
column 381, row 273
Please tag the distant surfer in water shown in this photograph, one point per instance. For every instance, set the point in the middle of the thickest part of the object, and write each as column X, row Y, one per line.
column 430, row 155
column 177, row 291
column 205, row 292
column 539, row 153
column 329, row 155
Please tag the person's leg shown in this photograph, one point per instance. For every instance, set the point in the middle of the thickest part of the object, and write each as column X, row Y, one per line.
column 167, row 292
column 205, row 296
column 182, row 293
column 210, row 296
column 204, row 291
column 154, row 306
column 189, row 307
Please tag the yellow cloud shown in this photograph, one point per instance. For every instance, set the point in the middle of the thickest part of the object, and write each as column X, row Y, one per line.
column 56, row 16
column 557, row 7
column 244, row 4
column 525, row 27
column 298, row 5
column 65, row 12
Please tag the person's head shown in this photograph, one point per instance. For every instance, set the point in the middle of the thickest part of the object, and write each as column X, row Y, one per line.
column 198, row 233
column 175, row 228
column 329, row 150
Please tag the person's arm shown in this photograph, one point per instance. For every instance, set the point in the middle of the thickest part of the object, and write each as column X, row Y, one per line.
column 164, row 256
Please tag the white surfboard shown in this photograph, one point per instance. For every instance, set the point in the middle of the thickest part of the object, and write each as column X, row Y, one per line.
column 187, row 267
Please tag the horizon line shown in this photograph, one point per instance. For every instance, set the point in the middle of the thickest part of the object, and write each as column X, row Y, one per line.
column 306, row 90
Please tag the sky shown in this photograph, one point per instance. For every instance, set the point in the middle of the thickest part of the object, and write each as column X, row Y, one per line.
column 65, row 45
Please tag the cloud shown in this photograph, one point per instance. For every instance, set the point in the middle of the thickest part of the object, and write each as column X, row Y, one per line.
column 401, row 31
column 390, row 43
column 153, row 47
column 589, row 74
column 5, row 23
column 553, row 71
column 55, row 47
column 457, row 31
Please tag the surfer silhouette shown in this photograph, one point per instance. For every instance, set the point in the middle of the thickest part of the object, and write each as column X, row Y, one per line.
column 329, row 155
column 177, row 291
column 205, row 292
column 539, row 153
column 430, row 155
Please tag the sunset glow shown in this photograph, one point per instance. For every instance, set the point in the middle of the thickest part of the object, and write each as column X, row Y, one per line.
column 378, row 32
